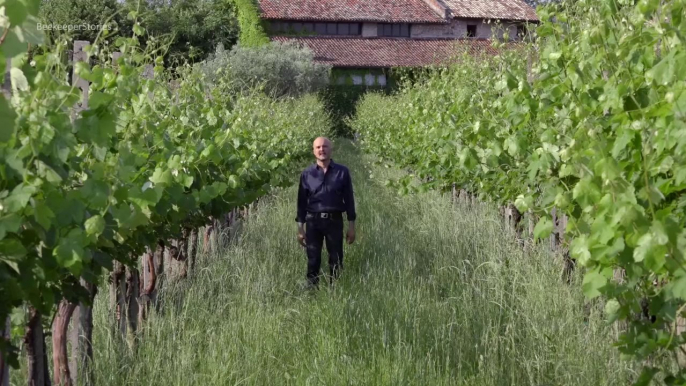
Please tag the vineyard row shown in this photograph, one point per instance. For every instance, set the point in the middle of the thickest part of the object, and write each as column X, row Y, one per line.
column 584, row 128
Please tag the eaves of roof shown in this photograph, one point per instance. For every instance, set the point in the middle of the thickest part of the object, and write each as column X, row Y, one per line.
column 355, row 52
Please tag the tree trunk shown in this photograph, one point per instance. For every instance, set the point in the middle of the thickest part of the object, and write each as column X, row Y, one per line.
column 59, row 343
column 81, row 338
column 34, row 339
column 4, row 366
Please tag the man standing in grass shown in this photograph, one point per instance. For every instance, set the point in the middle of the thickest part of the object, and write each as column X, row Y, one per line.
column 325, row 192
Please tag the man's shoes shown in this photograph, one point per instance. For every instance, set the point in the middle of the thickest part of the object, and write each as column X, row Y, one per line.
column 309, row 286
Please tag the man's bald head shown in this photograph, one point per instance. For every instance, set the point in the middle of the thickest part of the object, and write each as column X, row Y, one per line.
column 321, row 140
column 322, row 148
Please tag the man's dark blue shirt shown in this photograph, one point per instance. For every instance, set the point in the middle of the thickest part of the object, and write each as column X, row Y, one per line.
column 326, row 192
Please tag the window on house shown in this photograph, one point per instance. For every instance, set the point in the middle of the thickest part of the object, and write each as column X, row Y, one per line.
column 405, row 30
column 318, row 28
column 471, row 30
column 345, row 29
column 393, row 30
column 521, row 31
column 396, row 29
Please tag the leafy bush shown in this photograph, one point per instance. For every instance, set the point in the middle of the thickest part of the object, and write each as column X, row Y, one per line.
column 280, row 69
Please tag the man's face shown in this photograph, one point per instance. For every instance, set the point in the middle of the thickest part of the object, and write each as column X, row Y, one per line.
column 322, row 149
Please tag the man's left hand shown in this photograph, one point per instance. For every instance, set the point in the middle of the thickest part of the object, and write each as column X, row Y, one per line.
column 350, row 236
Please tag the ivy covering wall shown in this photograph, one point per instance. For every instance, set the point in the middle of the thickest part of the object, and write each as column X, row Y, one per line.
column 341, row 99
column 252, row 27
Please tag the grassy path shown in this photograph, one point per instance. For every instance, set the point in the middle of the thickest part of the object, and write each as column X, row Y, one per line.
column 431, row 294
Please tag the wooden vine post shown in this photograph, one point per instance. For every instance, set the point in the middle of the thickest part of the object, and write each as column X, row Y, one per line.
column 117, row 290
column 193, row 250
column 182, row 255
column 158, row 260
column 81, row 331
column 60, row 363
column 210, row 229
column 131, row 294
column 36, row 353
column 145, row 292
column 512, row 220
column 558, row 244
column 83, row 326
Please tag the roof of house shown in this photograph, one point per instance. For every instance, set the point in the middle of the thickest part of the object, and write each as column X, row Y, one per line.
column 492, row 9
column 388, row 52
column 390, row 11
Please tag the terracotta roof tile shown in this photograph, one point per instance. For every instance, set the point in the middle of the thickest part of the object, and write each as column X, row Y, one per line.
column 492, row 9
column 387, row 52
column 392, row 11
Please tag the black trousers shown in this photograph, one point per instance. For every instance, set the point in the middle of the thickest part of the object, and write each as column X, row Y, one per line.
column 317, row 231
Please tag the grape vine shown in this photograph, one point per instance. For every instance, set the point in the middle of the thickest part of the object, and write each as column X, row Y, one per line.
column 588, row 118
column 148, row 158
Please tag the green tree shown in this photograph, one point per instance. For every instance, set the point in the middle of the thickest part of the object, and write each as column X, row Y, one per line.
column 191, row 28
column 79, row 13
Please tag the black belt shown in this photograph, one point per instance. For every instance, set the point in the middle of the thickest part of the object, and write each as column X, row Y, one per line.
column 335, row 215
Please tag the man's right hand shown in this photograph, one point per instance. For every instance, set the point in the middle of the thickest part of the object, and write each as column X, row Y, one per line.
column 301, row 237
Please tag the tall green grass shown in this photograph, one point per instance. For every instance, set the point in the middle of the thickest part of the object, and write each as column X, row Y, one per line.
column 432, row 293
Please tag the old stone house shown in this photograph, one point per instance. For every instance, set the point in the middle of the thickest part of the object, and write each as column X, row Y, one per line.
column 371, row 36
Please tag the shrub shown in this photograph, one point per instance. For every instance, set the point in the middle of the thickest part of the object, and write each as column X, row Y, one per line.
column 280, row 69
